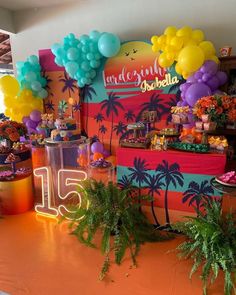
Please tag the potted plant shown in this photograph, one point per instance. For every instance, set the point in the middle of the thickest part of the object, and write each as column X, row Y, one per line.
column 211, row 243
column 112, row 212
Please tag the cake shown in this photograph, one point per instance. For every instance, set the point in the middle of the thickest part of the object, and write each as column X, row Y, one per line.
column 66, row 130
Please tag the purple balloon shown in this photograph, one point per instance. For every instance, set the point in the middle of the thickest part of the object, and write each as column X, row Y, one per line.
column 191, row 79
column 35, row 116
column 32, row 130
column 106, row 153
column 218, row 92
column 25, row 119
column 185, row 86
column 198, row 75
column 213, row 83
column 209, row 67
column 184, row 103
column 97, row 147
column 222, row 77
column 31, row 124
column 195, row 92
column 206, row 77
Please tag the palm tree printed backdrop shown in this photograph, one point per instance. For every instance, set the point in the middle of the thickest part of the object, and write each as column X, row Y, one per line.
column 111, row 105
column 69, row 84
column 120, row 128
column 86, row 94
column 154, row 185
column 103, row 130
column 139, row 174
column 129, row 116
column 99, row 118
column 170, row 174
column 155, row 103
column 196, row 193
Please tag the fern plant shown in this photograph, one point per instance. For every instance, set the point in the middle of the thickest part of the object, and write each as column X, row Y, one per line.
column 112, row 212
column 211, row 243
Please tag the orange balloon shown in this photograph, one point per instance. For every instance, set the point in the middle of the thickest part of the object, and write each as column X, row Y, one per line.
column 97, row 156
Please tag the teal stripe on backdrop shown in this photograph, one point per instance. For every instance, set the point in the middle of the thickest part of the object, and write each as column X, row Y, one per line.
column 122, row 170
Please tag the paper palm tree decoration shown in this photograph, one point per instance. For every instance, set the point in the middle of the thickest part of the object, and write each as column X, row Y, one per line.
column 62, row 107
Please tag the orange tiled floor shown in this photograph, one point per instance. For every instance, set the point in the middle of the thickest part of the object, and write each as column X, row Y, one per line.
column 38, row 257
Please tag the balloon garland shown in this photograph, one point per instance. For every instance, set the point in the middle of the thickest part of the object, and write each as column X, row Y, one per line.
column 194, row 59
column 81, row 57
column 29, row 76
column 185, row 46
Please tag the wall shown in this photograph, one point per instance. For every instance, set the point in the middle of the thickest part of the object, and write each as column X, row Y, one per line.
column 139, row 19
column 6, row 21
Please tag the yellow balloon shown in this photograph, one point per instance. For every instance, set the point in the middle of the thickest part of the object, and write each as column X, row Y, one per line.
column 171, row 31
column 178, row 69
column 161, row 40
column 168, row 39
column 208, row 48
column 214, row 58
column 198, row 36
column 163, row 60
column 184, row 32
column 154, row 39
column 9, row 85
column 191, row 58
column 155, row 48
column 26, row 109
column 177, row 42
column 185, row 75
column 170, row 55
column 7, row 112
column 190, row 42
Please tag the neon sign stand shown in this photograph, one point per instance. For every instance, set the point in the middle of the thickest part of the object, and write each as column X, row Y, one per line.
column 64, row 180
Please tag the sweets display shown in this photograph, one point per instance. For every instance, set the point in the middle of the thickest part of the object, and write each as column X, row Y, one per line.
column 180, row 114
column 159, row 143
column 190, row 147
column 169, row 132
column 101, row 163
column 66, row 130
column 218, row 142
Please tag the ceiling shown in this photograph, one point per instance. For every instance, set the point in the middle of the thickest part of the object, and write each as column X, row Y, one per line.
column 16, row 5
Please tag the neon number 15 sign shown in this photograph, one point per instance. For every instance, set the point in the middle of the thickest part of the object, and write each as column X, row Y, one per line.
column 67, row 181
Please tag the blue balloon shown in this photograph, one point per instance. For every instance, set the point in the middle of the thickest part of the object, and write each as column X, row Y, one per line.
column 108, row 44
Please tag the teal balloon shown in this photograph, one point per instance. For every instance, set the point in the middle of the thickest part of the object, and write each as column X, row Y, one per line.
column 94, row 35
column 72, row 53
column 42, row 93
column 95, row 64
column 80, row 84
column 30, row 76
column 92, row 74
column 80, row 73
column 84, row 38
column 55, row 48
column 90, row 56
column 59, row 62
column 83, row 80
column 85, row 66
column 85, row 49
column 36, row 86
column 71, row 67
column 43, row 81
column 71, row 36
column 97, row 56
column 109, row 44
column 33, row 59
column 20, row 65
